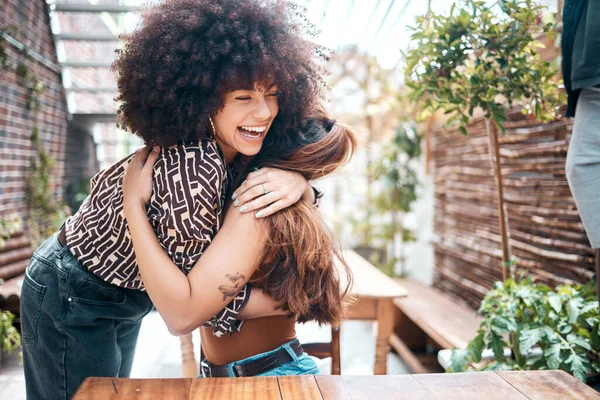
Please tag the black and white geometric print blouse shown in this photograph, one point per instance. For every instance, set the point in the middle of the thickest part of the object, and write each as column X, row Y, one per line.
column 185, row 210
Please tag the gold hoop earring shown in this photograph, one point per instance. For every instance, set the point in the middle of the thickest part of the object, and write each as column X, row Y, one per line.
column 213, row 126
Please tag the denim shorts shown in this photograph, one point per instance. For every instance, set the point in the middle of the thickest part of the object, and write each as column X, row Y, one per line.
column 300, row 365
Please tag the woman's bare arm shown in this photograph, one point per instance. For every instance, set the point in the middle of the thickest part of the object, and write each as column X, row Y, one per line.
column 186, row 302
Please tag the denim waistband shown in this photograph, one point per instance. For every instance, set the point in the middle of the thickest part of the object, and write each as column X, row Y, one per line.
column 286, row 346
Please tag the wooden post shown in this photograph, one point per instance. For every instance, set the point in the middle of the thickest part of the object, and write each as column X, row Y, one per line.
column 385, row 327
column 336, row 367
column 494, row 146
column 189, row 368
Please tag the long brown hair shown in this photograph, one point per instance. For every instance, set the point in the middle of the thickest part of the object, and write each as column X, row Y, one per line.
column 300, row 253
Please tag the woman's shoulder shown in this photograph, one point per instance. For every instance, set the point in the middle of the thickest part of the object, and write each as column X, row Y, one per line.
column 203, row 155
column 194, row 168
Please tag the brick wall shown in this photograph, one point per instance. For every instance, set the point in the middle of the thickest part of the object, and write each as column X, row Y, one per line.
column 16, row 121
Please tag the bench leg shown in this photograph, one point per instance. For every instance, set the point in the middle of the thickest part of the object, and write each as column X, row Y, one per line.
column 385, row 326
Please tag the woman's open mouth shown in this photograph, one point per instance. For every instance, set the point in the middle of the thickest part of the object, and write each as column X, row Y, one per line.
column 253, row 132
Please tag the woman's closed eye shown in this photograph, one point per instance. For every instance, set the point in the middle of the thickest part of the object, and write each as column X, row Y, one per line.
column 248, row 97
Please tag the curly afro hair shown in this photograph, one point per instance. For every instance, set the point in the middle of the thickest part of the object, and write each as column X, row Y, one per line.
column 175, row 69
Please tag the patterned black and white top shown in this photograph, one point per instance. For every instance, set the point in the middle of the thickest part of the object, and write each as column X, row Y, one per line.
column 185, row 210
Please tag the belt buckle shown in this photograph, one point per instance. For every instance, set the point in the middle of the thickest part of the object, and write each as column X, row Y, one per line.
column 206, row 370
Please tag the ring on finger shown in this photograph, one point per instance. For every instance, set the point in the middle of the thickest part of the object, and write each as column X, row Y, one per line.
column 265, row 191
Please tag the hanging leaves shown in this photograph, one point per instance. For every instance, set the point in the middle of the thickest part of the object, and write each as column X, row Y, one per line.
column 484, row 57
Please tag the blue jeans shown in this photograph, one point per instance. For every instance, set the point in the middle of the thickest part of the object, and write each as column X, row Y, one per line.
column 74, row 324
column 300, row 365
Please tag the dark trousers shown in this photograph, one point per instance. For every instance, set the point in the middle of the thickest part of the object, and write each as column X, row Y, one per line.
column 74, row 325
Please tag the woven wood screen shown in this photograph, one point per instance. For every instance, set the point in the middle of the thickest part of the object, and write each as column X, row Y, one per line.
column 546, row 233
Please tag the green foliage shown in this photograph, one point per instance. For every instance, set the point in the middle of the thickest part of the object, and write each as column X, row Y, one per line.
column 45, row 214
column 481, row 56
column 398, row 180
column 8, row 227
column 34, row 86
column 562, row 326
column 9, row 336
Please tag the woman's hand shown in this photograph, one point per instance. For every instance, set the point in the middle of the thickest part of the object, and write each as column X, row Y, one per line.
column 275, row 188
column 137, row 181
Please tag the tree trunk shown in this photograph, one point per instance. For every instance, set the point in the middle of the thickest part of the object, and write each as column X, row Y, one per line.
column 494, row 147
column 598, row 273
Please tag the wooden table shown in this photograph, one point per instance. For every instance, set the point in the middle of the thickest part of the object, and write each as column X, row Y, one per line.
column 374, row 292
column 539, row 385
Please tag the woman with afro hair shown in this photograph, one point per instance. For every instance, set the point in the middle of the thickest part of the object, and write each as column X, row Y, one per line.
column 207, row 84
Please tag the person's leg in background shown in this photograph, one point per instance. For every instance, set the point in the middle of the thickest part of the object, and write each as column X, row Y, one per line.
column 583, row 167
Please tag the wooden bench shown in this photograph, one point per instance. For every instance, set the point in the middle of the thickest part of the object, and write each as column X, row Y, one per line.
column 427, row 321
column 14, row 258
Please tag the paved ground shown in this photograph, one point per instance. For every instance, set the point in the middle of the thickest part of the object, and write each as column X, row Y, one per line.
column 159, row 355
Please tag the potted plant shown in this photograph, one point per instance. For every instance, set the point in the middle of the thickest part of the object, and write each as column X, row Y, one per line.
column 542, row 328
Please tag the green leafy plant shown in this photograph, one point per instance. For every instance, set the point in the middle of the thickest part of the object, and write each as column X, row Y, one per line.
column 396, row 175
column 9, row 336
column 543, row 328
column 482, row 57
column 33, row 85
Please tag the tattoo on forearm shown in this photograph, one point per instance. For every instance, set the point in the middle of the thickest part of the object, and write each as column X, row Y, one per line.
column 231, row 290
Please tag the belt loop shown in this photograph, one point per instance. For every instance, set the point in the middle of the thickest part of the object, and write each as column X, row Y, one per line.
column 205, row 368
column 234, row 370
column 290, row 351
column 61, row 250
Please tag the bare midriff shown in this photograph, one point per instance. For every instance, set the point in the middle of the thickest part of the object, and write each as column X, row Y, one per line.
column 257, row 335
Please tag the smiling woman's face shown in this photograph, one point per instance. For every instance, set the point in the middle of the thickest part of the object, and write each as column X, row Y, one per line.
column 242, row 124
